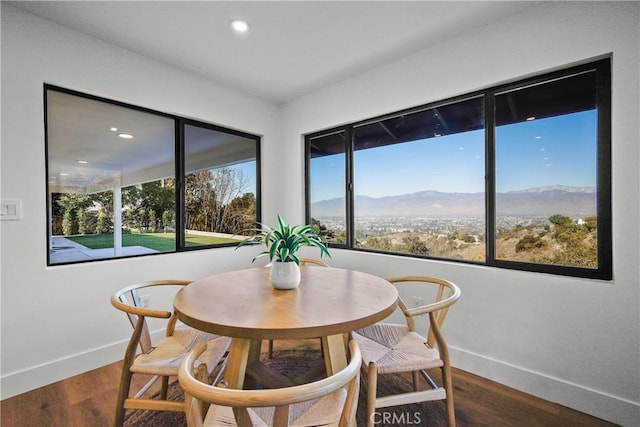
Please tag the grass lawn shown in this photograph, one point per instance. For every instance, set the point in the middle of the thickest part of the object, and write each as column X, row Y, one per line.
column 161, row 242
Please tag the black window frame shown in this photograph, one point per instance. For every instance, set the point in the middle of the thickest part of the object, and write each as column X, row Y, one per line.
column 604, row 271
column 179, row 158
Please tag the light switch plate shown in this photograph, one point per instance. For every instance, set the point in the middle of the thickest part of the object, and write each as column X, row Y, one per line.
column 10, row 209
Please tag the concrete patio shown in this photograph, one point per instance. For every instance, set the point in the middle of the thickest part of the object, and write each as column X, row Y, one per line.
column 64, row 250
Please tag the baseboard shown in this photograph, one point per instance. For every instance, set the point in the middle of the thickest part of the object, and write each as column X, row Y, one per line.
column 15, row 383
column 35, row 377
column 593, row 402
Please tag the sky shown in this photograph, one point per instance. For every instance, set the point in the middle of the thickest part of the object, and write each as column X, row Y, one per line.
column 248, row 169
column 555, row 151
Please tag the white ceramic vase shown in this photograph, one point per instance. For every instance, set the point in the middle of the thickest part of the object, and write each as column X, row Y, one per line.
column 284, row 275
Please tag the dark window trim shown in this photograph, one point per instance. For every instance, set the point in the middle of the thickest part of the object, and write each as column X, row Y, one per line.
column 602, row 67
column 179, row 123
column 181, row 146
column 348, row 180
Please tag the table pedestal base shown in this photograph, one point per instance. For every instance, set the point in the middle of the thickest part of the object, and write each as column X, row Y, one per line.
column 245, row 370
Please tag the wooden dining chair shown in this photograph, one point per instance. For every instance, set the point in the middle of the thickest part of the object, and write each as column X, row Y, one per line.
column 330, row 401
column 311, row 262
column 161, row 360
column 395, row 348
column 304, row 262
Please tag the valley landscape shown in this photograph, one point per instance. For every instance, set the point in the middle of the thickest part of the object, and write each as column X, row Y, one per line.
column 553, row 225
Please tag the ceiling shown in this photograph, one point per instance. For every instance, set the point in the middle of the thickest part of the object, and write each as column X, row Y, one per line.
column 292, row 47
column 86, row 153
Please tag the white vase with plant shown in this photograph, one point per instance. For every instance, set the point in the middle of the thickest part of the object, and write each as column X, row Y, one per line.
column 282, row 243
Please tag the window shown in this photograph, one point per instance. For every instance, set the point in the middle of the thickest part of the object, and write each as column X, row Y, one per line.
column 418, row 182
column 546, row 164
column 126, row 181
column 516, row 176
column 220, row 185
column 326, row 185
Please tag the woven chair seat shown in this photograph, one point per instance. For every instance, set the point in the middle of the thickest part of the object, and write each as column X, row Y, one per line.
column 394, row 348
column 168, row 353
column 330, row 401
column 160, row 360
column 324, row 411
column 389, row 348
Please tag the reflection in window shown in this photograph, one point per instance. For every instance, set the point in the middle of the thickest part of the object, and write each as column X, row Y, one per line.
column 220, row 186
column 112, row 187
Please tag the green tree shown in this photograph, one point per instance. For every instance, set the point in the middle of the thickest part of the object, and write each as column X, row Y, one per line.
column 530, row 242
column 168, row 218
column 67, row 223
column 415, row 245
column 579, row 254
column 241, row 213
column 104, row 201
column 102, row 223
column 228, row 185
column 157, row 196
column 198, row 194
column 69, row 204
column 152, row 221
column 327, row 234
column 215, row 201
column 591, row 223
column 142, row 219
column 560, row 220
column 381, row 243
column 73, row 201
column 469, row 239
column 81, row 218
column 128, row 219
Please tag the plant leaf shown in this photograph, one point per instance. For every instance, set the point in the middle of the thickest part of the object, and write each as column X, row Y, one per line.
column 282, row 242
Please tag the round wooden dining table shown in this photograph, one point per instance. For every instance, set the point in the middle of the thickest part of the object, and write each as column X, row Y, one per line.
column 242, row 304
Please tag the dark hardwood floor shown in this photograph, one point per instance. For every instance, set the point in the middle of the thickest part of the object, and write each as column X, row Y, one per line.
column 89, row 400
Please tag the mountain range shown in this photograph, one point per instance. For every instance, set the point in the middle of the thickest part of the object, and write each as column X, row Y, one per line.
column 547, row 200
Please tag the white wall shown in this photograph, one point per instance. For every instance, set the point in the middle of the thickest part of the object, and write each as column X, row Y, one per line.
column 573, row 341
column 57, row 321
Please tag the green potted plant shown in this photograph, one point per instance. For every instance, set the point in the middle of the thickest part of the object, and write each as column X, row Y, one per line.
column 282, row 243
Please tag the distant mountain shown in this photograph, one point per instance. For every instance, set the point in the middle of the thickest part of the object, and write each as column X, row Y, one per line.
column 573, row 201
column 563, row 188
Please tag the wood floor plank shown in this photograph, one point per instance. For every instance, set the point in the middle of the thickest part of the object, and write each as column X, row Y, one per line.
column 97, row 411
column 481, row 402
column 45, row 406
column 89, row 400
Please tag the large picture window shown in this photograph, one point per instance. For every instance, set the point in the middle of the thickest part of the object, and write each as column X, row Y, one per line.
column 126, row 181
column 516, row 176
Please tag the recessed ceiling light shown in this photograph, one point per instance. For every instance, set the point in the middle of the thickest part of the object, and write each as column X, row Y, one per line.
column 113, row 129
column 82, row 162
column 125, row 135
column 240, row 26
